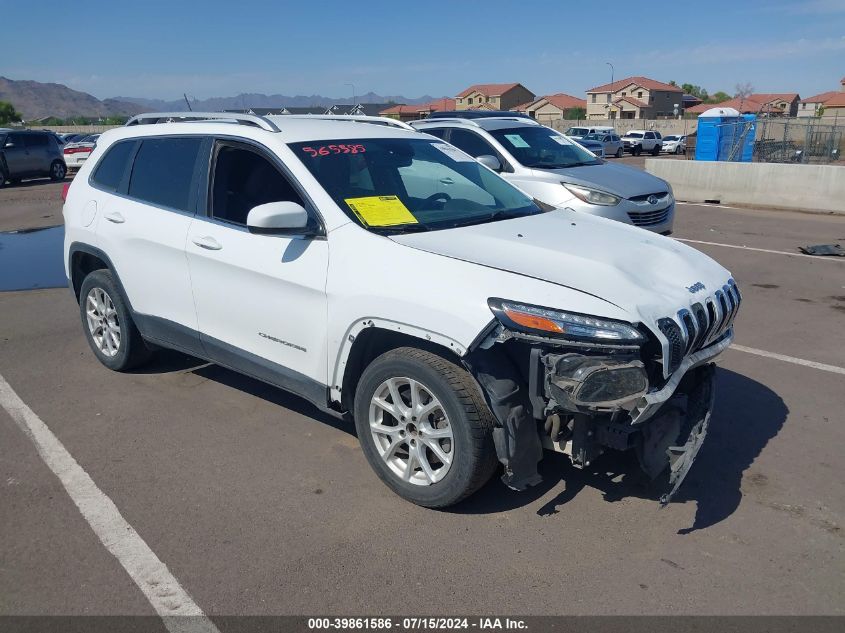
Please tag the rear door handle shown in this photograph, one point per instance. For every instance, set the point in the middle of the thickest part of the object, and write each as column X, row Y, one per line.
column 115, row 217
column 207, row 242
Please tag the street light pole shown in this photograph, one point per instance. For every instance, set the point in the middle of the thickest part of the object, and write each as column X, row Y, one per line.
column 610, row 102
column 354, row 99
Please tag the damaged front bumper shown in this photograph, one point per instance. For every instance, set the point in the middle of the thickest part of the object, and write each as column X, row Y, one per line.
column 582, row 403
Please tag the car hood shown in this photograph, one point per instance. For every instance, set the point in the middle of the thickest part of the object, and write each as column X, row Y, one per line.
column 645, row 274
column 619, row 180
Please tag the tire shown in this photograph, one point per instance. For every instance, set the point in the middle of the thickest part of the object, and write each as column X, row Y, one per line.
column 58, row 170
column 638, row 150
column 124, row 349
column 3, row 178
column 679, row 150
column 460, row 412
column 619, row 153
column 655, row 151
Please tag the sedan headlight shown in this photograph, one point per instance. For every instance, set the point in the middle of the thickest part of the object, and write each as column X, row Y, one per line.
column 557, row 323
column 592, row 196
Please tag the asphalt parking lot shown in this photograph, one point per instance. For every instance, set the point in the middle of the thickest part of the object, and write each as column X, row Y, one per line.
column 259, row 504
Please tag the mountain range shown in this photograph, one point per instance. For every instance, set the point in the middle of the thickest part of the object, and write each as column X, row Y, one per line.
column 35, row 100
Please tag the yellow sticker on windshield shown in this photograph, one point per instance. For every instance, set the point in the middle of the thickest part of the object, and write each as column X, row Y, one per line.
column 381, row 211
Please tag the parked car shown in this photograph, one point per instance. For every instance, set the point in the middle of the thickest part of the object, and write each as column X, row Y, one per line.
column 595, row 147
column 30, row 154
column 639, row 141
column 611, row 143
column 581, row 132
column 475, row 114
column 73, row 138
column 78, row 152
column 291, row 250
column 556, row 170
column 674, row 144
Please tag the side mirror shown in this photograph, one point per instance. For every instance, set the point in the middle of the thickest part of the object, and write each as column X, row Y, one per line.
column 490, row 161
column 9, row 144
column 278, row 217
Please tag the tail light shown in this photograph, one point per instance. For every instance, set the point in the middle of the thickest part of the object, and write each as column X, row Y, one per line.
column 65, row 188
column 78, row 150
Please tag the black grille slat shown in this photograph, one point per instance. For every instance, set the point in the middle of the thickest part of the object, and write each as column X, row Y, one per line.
column 648, row 218
column 672, row 332
column 701, row 324
column 692, row 331
column 660, row 195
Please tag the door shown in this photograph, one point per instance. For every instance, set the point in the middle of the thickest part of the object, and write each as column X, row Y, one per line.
column 146, row 195
column 18, row 158
column 260, row 299
column 38, row 148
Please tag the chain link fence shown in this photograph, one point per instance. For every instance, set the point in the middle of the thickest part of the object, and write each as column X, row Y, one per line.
column 807, row 141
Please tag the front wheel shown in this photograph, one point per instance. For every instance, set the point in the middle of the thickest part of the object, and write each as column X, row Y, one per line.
column 638, row 150
column 679, row 150
column 57, row 170
column 619, row 153
column 655, row 150
column 424, row 427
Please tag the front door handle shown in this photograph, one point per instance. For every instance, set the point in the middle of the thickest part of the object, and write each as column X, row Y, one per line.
column 207, row 242
column 115, row 217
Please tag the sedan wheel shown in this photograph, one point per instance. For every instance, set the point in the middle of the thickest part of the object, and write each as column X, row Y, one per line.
column 57, row 170
column 619, row 153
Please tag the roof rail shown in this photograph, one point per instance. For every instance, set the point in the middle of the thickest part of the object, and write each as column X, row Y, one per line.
column 169, row 117
column 447, row 119
column 357, row 118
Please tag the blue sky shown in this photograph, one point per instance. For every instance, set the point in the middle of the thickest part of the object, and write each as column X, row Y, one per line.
column 162, row 49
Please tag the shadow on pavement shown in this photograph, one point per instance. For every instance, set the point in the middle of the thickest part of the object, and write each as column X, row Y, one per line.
column 747, row 415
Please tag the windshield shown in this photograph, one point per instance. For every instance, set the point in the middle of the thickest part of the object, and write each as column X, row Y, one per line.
column 634, row 135
column 670, row 138
column 404, row 184
column 577, row 131
column 594, row 137
column 542, row 148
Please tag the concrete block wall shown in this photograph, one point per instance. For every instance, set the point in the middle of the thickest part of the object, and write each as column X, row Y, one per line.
column 761, row 185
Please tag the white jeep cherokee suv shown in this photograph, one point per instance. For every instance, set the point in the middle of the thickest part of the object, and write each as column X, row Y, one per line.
column 388, row 277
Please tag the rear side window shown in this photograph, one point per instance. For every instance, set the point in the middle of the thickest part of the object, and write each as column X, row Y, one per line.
column 163, row 171
column 113, row 165
column 439, row 132
column 36, row 140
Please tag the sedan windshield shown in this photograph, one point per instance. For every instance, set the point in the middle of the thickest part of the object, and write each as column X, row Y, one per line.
column 577, row 131
column 670, row 138
column 402, row 184
column 539, row 147
column 634, row 135
column 594, row 137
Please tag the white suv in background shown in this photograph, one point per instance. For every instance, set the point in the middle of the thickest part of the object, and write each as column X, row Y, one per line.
column 389, row 278
column 639, row 141
column 558, row 171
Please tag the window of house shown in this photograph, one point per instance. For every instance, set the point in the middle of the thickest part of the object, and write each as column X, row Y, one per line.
column 608, row 97
column 244, row 179
column 624, row 93
column 469, row 100
column 640, row 94
column 163, row 171
column 593, row 100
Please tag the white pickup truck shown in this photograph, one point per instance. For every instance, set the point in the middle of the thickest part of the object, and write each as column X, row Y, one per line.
column 639, row 141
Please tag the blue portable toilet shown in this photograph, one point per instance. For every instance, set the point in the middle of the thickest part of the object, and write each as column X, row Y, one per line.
column 726, row 135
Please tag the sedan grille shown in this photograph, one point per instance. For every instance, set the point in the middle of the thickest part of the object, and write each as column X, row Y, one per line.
column 649, row 218
column 700, row 326
column 660, row 195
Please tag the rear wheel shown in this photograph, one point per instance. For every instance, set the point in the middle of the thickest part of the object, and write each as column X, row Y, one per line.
column 424, row 427
column 108, row 324
column 57, row 170
column 655, row 150
column 638, row 150
column 619, row 153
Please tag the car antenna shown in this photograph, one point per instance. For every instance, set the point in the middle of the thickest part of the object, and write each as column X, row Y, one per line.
column 190, row 109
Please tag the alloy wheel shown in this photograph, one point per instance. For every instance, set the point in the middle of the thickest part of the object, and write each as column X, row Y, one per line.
column 103, row 323
column 411, row 431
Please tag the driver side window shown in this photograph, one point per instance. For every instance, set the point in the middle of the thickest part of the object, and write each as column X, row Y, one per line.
column 243, row 179
column 471, row 143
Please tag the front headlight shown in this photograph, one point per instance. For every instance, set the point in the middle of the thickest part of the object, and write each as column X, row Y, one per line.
column 548, row 322
column 592, row 196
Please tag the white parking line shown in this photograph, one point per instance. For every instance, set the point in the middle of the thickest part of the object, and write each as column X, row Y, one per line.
column 179, row 612
column 788, row 359
column 763, row 250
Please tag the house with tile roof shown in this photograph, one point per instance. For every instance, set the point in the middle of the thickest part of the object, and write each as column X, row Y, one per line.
column 414, row 112
column 550, row 108
column 493, row 97
column 634, row 98
column 764, row 103
column 812, row 106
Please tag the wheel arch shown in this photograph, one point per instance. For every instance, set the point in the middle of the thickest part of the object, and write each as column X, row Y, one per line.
column 368, row 339
column 83, row 259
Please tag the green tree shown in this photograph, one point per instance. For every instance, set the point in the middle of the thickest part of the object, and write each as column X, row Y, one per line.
column 719, row 97
column 573, row 114
column 695, row 91
column 8, row 114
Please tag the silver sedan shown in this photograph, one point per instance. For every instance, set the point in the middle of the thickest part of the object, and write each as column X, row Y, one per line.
column 611, row 142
